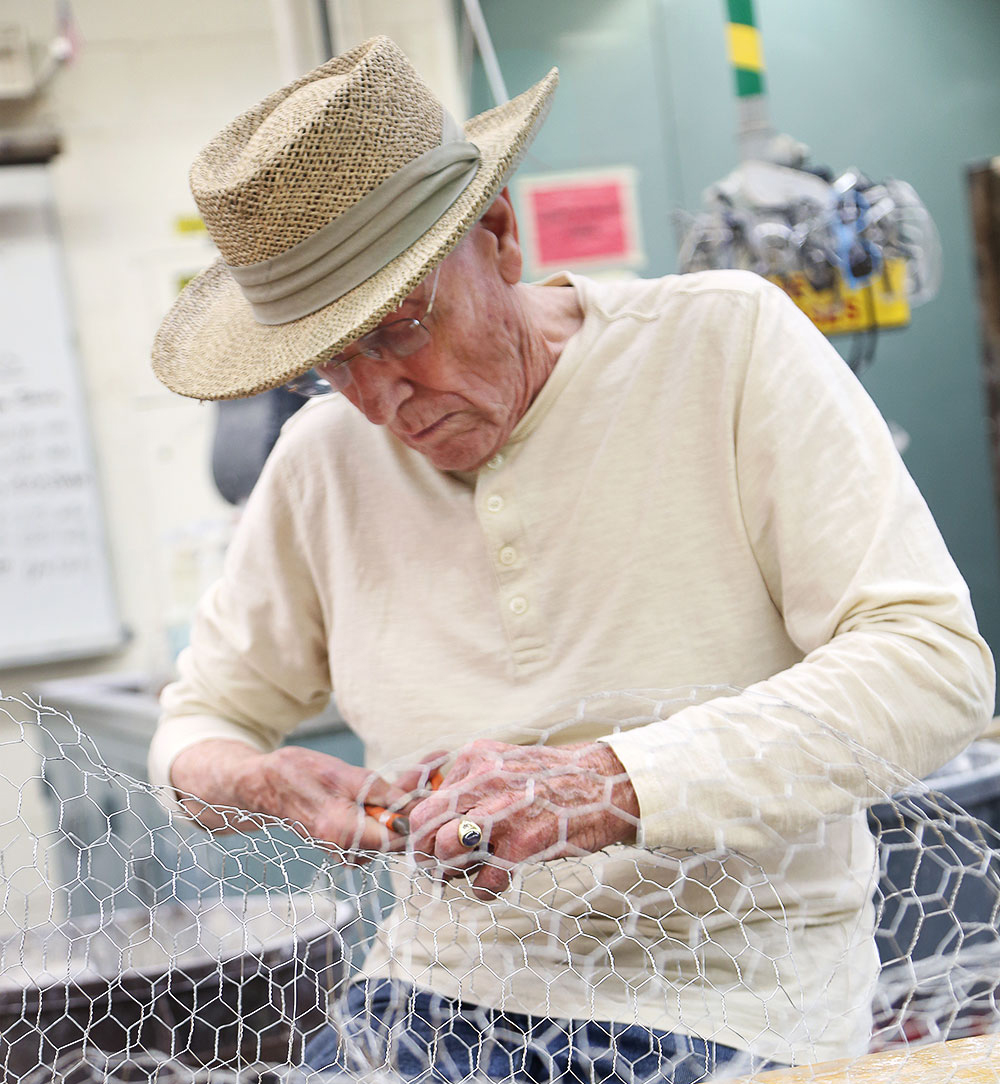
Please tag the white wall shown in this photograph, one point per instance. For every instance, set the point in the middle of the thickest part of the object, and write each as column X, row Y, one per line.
column 152, row 83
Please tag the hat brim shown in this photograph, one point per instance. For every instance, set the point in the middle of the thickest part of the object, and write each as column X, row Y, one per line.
column 209, row 345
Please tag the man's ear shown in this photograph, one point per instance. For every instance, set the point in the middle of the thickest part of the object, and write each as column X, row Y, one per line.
column 500, row 220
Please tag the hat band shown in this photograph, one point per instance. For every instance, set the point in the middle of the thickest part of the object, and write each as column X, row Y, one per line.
column 363, row 239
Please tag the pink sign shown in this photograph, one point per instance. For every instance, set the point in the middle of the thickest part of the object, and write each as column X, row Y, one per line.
column 587, row 220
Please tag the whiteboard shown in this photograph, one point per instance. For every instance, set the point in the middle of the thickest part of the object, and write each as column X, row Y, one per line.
column 56, row 594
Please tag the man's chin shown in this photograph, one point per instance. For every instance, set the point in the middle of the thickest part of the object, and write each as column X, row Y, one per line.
column 454, row 455
column 456, row 448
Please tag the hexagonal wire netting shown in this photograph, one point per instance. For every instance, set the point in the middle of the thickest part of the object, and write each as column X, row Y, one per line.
column 827, row 906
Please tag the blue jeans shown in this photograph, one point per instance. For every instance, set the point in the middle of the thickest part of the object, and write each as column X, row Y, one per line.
column 419, row 1035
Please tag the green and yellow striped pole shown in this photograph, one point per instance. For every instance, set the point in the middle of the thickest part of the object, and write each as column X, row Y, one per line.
column 746, row 57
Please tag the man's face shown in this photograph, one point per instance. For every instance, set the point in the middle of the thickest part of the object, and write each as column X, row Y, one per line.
column 457, row 399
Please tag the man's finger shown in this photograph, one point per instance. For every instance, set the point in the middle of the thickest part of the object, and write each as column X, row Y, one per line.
column 372, row 789
column 492, row 879
column 453, row 842
column 347, row 827
column 470, row 834
column 424, row 777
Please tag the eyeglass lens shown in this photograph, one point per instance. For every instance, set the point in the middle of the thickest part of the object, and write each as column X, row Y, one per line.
column 398, row 339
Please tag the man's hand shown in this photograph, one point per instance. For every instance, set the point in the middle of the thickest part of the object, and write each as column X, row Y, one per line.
column 532, row 803
column 323, row 796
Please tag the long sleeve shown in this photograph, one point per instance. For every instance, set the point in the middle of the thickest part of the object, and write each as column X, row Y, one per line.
column 257, row 664
column 895, row 679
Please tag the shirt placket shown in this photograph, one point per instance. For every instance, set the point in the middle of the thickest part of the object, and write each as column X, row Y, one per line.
column 506, row 544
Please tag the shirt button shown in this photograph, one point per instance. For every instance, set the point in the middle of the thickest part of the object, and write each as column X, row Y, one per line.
column 508, row 555
column 495, row 503
column 495, row 461
column 518, row 604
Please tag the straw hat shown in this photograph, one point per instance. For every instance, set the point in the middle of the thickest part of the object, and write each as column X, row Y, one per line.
column 329, row 202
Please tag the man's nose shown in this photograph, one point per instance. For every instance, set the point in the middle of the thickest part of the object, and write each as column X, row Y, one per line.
column 379, row 388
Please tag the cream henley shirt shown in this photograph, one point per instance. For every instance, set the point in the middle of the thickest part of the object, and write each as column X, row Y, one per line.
column 701, row 495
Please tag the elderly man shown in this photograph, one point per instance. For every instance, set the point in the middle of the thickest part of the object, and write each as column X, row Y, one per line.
column 523, row 494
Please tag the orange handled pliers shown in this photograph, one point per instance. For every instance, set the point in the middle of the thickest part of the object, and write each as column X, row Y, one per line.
column 399, row 822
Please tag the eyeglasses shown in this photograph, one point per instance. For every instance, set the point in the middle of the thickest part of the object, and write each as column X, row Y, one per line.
column 395, row 340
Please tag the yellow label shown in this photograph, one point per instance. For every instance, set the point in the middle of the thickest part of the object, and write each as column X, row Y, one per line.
column 188, row 224
column 745, row 50
column 881, row 302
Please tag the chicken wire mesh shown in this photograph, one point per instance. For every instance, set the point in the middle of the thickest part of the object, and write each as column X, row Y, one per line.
column 842, row 908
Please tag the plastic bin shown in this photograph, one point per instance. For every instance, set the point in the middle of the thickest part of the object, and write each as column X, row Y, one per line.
column 939, row 885
column 938, row 901
column 243, row 980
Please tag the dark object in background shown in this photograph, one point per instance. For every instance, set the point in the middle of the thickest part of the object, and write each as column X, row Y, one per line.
column 940, row 865
column 203, row 1009
column 245, row 432
column 938, row 904
column 984, row 202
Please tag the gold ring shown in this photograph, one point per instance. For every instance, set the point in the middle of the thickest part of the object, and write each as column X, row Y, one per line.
column 469, row 834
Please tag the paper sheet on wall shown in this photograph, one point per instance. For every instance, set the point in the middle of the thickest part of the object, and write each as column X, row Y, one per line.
column 56, row 593
column 580, row 220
